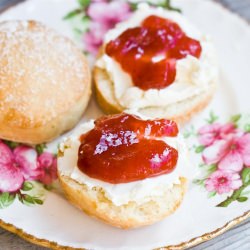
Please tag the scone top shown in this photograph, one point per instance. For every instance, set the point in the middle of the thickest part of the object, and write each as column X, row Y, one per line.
column 148, row 53
column 156, row 62
column 124, row 148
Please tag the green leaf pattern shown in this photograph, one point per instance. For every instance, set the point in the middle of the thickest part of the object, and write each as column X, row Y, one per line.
column 31, row 193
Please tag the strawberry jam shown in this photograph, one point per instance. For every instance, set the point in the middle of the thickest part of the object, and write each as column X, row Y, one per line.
column 124, row 148
column 149, row 52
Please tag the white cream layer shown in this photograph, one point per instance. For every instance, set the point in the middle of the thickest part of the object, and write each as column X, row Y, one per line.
column 119, row 194
column 194, row 76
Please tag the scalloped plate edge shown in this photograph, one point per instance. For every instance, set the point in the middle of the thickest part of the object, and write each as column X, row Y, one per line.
column 187, row 244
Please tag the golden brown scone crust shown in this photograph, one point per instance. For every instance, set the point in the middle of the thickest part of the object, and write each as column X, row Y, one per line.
column 94, row 203
column 180, row 112
column 44, row 82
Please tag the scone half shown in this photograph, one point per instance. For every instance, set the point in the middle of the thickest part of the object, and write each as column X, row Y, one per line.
column 180, row 112
column 133, row 203
column 121, row 87
column 132, row 215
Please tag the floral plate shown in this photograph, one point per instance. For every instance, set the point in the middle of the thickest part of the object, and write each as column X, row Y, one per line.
column 32, row 205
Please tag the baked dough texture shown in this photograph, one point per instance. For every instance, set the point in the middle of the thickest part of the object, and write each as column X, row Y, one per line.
column 181, row 112
column 132, row 215
column 45, row 82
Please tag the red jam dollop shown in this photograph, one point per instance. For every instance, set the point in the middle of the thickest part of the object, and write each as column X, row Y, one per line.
column 124, row 148
column 149, row 52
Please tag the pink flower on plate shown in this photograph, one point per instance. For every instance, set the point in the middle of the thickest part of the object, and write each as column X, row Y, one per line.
column 210, row 133
column 237, row 154
column 223, row 181
column 11, row 177
column 26, row 159
column 109, row 13
column 23, row 163
column 94, row 37
column 230, row 154
column 48, row 165
column 6, row 155
column 104, row 15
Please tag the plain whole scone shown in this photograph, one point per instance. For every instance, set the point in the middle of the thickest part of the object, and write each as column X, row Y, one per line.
column 44, row 82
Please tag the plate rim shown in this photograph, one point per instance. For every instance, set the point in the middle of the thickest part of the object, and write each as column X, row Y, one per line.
column 183, row 245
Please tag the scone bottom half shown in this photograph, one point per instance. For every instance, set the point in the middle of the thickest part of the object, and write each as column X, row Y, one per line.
column 94, row 203
column 94, row 200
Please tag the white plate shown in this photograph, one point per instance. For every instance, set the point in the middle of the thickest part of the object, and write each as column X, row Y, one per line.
column 57, row 223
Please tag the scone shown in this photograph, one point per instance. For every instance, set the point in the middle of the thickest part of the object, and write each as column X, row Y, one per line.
column 44, row 82
column 124, row 169
column 158, row 64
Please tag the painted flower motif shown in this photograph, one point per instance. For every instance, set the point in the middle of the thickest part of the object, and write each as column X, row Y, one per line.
column 210, row 133
column 230, row 154
column 223, row 181
column 104, row 15
column 48, row 163
column 11, row 178
column 93, row 38
column 109, row 13
column 226, row 157
column 23, row 164
column 10, row 175
column 25, row 158
column 5, row 154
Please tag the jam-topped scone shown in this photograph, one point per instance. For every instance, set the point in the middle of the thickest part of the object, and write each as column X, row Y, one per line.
column 125, row 170
column 158, row 64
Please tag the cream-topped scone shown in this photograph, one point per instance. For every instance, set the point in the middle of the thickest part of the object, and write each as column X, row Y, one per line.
column 189, row 90
column 127, row 192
